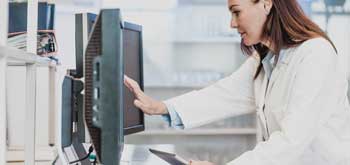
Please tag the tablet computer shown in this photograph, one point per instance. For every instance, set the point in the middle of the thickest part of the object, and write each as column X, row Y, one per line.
column 171, row 158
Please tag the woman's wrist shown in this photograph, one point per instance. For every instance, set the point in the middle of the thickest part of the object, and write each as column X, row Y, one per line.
column 162, row 108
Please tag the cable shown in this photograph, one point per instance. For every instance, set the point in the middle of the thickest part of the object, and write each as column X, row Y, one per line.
column 87, row 155
column 54, row 161
column 94, row 161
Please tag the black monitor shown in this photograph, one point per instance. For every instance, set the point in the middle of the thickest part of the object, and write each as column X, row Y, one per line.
column 114, row 49
column 83, row 27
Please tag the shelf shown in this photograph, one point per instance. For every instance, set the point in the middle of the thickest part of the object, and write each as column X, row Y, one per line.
column 43, row 153
column 345, row 13
column 15, row 56
column 202, row 2
column 212, row 131
column 187, row 79
column 218, row 40
column 175, row 86
column 197, row 40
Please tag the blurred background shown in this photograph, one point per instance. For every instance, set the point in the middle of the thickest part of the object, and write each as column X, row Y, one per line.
column 188, row 44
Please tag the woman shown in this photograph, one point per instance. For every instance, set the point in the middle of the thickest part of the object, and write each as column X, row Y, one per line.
column 293, row 80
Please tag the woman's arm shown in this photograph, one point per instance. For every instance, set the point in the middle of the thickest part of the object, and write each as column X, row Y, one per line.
column 231, row 96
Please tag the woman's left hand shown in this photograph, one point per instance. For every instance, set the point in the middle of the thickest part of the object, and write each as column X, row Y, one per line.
column 193, row 162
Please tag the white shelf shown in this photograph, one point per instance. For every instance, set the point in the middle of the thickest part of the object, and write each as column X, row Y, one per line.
column 16, row 56
column 43, row 153
column 217, row 40
column 207, row 131
column 202, row 2
column 175, row 86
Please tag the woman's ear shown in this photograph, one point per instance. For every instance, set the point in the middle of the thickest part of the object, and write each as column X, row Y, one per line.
column 267, row 6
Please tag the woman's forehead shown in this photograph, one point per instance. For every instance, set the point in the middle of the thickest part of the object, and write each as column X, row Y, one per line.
column 233, row 3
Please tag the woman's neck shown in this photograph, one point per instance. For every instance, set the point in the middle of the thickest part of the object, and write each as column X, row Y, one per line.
column 269, row 45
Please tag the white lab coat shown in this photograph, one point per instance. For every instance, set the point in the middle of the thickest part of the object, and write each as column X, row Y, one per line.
column 306, row 119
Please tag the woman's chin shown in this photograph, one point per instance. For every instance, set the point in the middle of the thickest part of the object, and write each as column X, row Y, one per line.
column 248, row 42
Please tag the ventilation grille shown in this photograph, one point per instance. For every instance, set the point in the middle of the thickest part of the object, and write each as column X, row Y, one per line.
column 93, row 50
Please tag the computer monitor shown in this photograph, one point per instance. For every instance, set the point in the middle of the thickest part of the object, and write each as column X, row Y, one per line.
column 114, row 49
column 83, row 27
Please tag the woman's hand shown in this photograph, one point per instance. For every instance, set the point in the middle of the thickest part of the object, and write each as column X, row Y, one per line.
column 192, row 162
column 147, row 104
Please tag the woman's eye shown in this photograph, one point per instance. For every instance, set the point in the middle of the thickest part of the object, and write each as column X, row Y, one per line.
column 236, row 13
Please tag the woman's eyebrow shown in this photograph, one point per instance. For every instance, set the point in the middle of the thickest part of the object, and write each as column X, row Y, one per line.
column 232, row 6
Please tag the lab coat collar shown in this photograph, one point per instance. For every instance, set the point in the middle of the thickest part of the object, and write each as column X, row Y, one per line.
column 269, row 60
column 283, row 60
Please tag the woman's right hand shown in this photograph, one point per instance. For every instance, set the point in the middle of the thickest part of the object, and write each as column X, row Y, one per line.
column 147, row 104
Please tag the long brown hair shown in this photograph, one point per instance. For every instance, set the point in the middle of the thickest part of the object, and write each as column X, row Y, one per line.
column 286, row 26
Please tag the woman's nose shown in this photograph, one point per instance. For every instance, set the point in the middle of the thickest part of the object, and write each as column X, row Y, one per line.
column 233, row 23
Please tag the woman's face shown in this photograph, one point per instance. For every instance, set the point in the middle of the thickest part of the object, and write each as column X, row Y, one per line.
column 249, row 18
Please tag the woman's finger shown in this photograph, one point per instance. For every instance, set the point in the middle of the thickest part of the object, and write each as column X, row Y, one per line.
column 128, row 85
column 132, row 83
column 141, row 95
column 133, row 86
column 127, row 81
column 139, row 104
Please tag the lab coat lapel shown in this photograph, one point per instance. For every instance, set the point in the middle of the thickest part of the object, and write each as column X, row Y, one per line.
column 274, row 76
column 281, row 65
column 262, row 102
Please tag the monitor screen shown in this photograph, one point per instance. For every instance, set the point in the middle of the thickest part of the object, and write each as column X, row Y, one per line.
column 132, row 51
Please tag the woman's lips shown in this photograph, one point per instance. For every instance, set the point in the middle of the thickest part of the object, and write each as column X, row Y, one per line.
column 243, row 35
